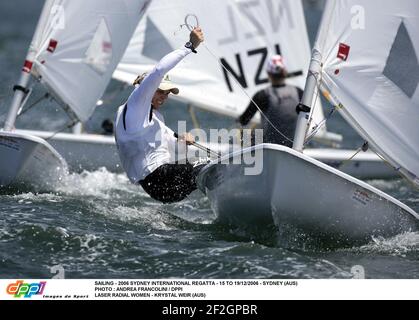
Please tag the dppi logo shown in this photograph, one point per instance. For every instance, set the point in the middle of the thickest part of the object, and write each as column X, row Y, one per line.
column 27, row 290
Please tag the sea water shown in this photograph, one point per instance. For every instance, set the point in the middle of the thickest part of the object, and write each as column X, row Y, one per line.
column 98, row 225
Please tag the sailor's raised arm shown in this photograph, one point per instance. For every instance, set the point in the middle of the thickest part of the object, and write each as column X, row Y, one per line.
column 139, row 102
column 169, row 61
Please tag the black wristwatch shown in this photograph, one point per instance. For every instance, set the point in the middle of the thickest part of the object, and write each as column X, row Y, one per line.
column 189, row 45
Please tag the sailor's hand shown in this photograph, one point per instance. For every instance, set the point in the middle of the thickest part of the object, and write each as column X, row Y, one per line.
column 187, row 137
column 196, row 37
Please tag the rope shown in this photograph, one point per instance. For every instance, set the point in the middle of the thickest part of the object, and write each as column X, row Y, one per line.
column 364, row 148
column 67, row 126
column 186, row 24
column 397, row 169
column 247, row 95
column 45, row 96
column 190, row 28
column 320, row 125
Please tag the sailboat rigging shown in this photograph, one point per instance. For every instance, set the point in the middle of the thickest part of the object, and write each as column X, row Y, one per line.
column 306, row 199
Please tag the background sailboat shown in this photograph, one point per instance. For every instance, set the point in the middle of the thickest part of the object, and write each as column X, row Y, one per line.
column 358, row 67
column 376, row 85
column 75, row 48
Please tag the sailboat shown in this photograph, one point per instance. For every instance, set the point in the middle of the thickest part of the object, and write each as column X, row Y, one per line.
column 365, row 60
column 229, row 68
column 74, row 51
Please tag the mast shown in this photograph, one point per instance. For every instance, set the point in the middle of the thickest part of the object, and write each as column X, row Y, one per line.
column 20, row 89
column 306, row 101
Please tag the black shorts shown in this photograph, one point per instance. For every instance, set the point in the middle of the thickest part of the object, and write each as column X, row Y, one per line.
column 171, row 182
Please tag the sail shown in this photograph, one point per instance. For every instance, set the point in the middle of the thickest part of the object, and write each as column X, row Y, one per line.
column 239, row 34
column 78, row 44
column 370, row 54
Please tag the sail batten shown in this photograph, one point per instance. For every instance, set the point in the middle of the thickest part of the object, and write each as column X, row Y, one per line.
column 78, row 45
column 370, row 53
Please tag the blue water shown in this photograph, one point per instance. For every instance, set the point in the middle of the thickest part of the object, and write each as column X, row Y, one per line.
column 98, row 225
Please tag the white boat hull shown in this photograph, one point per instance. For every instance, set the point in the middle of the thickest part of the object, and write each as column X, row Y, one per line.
column 304, row 198
column 29, row 162
column 83, row 151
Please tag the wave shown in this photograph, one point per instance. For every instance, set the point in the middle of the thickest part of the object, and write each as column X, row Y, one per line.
column 401, row 244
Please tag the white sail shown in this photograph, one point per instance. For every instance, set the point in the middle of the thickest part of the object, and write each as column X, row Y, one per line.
column 78, row 45
column 241, row 34
column 370, row 65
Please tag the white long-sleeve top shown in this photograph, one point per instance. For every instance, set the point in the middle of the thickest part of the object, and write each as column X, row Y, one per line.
column 147, row 142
